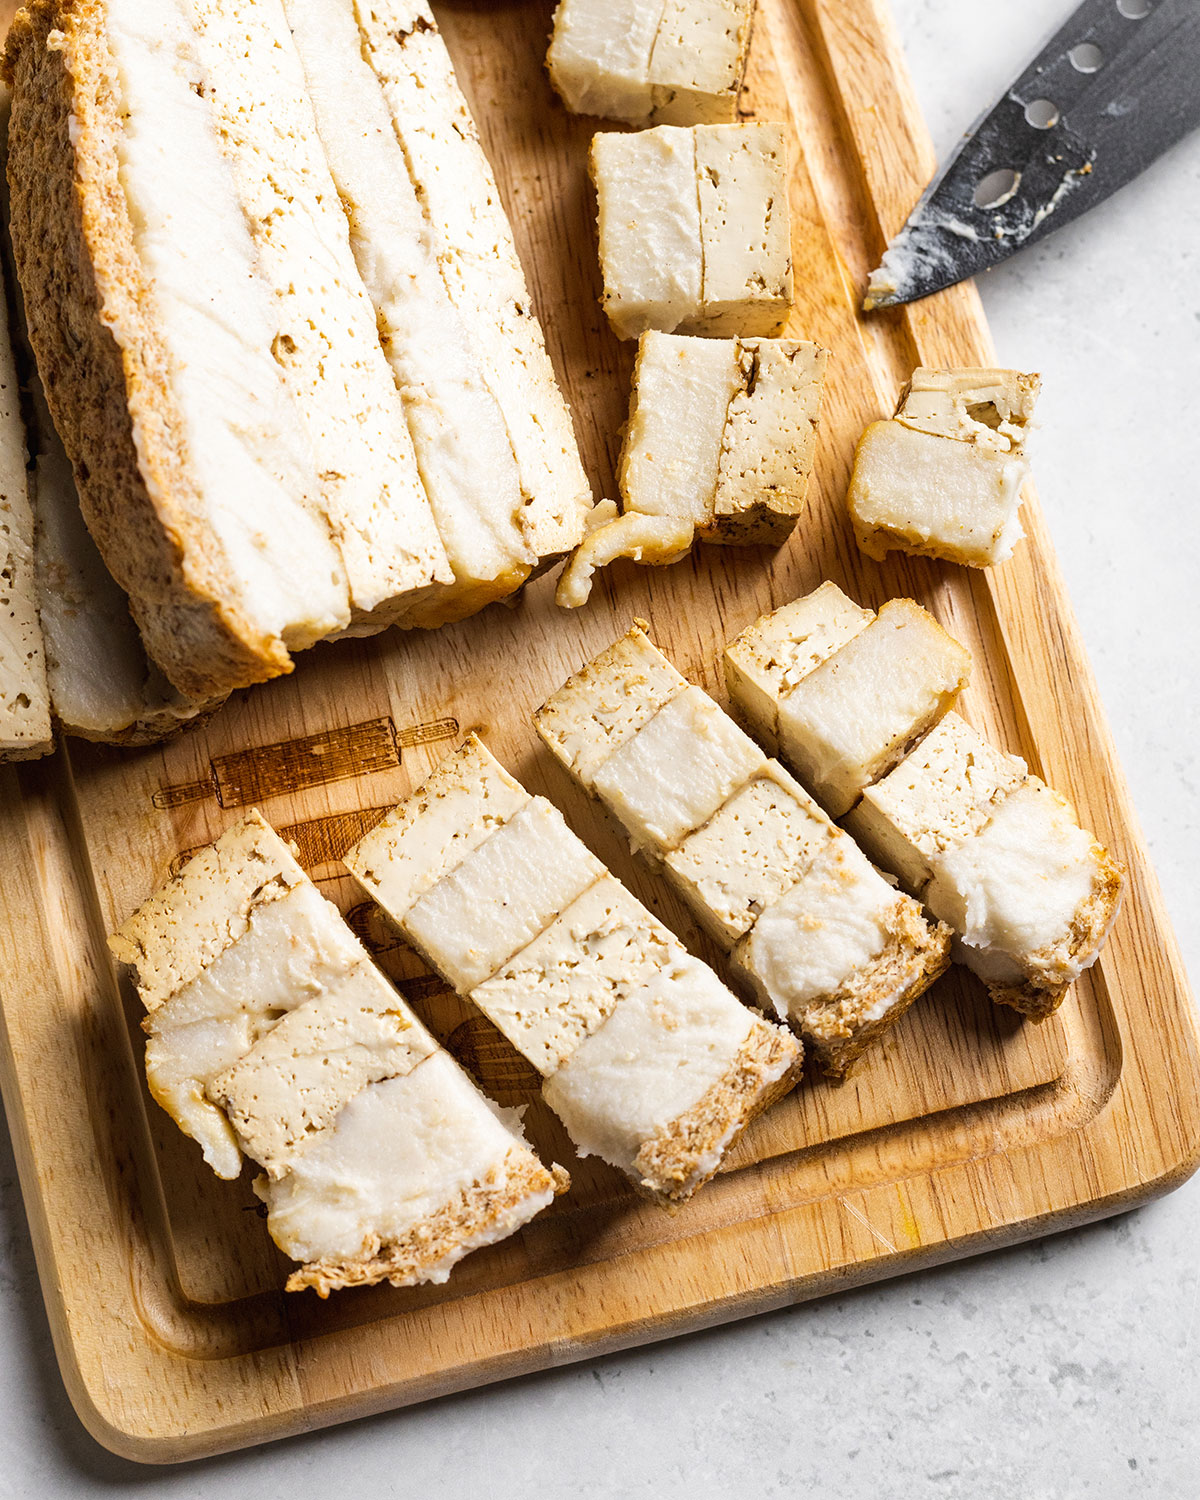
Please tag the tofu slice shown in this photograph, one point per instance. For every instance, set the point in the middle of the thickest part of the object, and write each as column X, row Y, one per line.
column 650, row 1062
column 844, row 723
column 841, row 954
column 943, row 478
column 473, row 244
column 660, row 62
column 694, row 229
column 656, row 541
column 272, row 1033
column 160, row 376
column 327, row 343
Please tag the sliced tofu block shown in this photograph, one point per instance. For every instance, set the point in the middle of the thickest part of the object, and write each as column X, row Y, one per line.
column 606, row 703
column 1031, row 896
column 943, row 478
column 662, row 62
column 502, row 896
column 841, row 955
column 197, row 477
column 939, row 795
column 473, row 243
column 676, row 771
column 754, row 847
column 667, row 1083
column 694, row 229
column 413, row 1174
column 778, row 650
column 465, row 799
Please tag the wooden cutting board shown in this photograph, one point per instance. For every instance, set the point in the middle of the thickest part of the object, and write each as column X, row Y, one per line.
column 965, row 1129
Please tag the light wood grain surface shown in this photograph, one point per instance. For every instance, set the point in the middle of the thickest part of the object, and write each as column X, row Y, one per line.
column 965, row 1128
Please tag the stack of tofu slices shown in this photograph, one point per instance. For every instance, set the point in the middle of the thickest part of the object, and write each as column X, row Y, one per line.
column 283, row 332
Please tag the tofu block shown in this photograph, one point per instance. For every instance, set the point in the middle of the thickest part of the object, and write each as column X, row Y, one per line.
column 694, row 229
column 661, row 62
column 1032, row 897
column 943, row 478
column 939, row 795
column 754, row 847
column 676, row 771
column 841, row 955
column 769, row 657
column 464, row 800
column 606, row 703
column 502, row 896
column 414, row 1173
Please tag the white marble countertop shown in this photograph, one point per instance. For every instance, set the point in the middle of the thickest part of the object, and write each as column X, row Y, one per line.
column 1064, row 1368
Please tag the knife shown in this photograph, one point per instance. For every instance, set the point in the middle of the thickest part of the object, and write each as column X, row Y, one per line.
column 1117, row 85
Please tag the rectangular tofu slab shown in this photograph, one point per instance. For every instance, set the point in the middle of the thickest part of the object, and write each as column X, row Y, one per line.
column 160, row 373
column 694, row 229
column 943, row 478
column 269, row 1031
column 651, row 62
column 760, row 853
column 600, row 997
column 843, row 721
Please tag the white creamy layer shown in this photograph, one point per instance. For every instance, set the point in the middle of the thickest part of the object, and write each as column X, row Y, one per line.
column 254, row 470
column 677, row 770
column 399, row 1153
column 599, row 58
column 657, row 1055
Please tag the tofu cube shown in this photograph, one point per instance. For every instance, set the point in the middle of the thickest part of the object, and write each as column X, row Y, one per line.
column 943, row 478
column 648, row 62
column 694, row 229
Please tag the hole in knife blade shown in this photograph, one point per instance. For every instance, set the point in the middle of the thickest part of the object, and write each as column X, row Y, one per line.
column 1041, row 114
column 1134, row 10
column 997, row 188
column 1086, row 58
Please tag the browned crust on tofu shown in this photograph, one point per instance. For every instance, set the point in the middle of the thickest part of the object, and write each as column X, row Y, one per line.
column 82, row 278
column 495, row 1207
column 916, row 952
column 671, row 1165
column 1055, row 969
column 767, row 523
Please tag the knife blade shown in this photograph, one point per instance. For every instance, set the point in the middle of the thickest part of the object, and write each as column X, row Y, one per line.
column 1116, row 86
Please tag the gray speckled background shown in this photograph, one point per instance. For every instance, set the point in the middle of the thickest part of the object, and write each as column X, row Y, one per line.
column 1060, row 1369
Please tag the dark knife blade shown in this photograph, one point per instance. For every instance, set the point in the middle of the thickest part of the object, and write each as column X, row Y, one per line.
column 1117, row 85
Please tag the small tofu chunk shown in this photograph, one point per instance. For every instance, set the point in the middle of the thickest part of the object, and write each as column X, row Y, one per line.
column 502, row 896
column 656, row 541
column 694, row 229
column 938, row 796
column 699, row 60
column 606, row 703
column 677, row 771
column 753, row 848
column 460, row 804
column 943, row 478
column 1031, row 895
column 779, row 649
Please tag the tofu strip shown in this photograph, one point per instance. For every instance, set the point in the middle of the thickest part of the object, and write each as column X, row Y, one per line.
column 649, row 1061
column 272, row 1035
column 326, row 341
column 817, row 934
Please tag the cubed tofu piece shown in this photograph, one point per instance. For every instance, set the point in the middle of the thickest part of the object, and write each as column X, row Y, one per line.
column 694, row 229
column 841, row 955
column 606, row 703
column 502, row 896
column 464, row 800
column 779, row 649
column 856, row 715
column 943, row 478
column 1031, row 896
column 667, row 62
column 677, row 771
column 938, row 796
column 666, row 1084
column 413, row 1174
column 753, row 848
